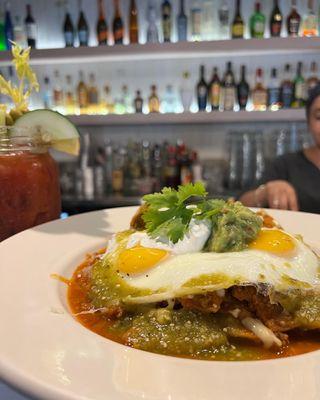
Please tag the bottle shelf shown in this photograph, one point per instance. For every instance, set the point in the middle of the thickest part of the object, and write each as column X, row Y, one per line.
column 288, row 115
column 162, row 51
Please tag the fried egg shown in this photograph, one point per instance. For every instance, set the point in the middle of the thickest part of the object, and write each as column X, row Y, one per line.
column 166, row 271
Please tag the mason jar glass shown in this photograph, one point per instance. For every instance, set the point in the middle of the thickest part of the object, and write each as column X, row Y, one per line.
column 29, row 182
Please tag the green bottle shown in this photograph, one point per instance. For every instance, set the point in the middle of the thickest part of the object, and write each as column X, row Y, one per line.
column 299, row 88
column 257, row 22
column 2, row 34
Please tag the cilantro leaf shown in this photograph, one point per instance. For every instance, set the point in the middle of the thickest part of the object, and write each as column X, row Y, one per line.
column 173, row 229
column 191, row 190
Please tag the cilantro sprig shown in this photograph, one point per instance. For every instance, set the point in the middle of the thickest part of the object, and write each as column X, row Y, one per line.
column 168, row 215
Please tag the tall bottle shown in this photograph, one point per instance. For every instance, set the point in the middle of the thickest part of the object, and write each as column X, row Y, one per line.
column 257, row 22
column 243, row 89
column 83, row 28
column 166, row 21
column 259, row 93
column 47, row 93
column 31, row 28
column 19, row 35
column 69, row 98
column 310, row 22
column 153, row 101
column 82, row 93
column 293, row 20
column 138, row 102
column 102, row 26
column 57, row 92
column 237, row 28
column 93, row 94
column 8, row 27
column 152, row 30
column 202, row 90
column 223, row 19
column 299, row 88
column 117, row 24
column 182, row 23
column 133, row 23
column 215, row 90
column 276, row 20
column 228, row 98
column 313, row 79
column 274, row 103
column 287, row 88
column 186, row 91
column 195, row 15
column 68, row 30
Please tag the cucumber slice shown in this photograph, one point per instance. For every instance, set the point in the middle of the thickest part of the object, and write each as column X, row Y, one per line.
column 54, row 128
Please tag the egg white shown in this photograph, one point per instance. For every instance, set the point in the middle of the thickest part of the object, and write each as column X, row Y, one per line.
column 172, row 277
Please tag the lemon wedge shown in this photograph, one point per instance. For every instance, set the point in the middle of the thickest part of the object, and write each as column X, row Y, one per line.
column 50, row 128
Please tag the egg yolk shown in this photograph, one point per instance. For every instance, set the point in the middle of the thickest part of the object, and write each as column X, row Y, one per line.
column 273, row 241
column 139, row 259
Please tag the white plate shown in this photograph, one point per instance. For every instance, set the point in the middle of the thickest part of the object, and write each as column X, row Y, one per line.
column 45, row 352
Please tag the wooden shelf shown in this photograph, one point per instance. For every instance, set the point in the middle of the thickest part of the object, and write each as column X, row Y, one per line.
column 161, row 51
column 190, row 118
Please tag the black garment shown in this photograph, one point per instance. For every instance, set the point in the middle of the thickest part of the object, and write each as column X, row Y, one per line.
column 303, row 175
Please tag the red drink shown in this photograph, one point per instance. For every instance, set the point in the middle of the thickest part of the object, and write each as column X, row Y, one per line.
column 29, row 186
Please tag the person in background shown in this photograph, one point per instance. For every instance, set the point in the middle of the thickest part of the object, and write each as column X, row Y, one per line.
column 292, row 182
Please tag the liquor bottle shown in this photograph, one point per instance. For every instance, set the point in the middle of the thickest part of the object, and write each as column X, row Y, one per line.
column 93, row 94
column 287, row 88
column 215, row 89
column 138, row 102
column 238, row 24
column 69, row 99
column 82, row 93
column 207, row 20
column 257, row 22
column 133, row 23
column 19, row 35
column 153, row 102
column 276, row 20
column 293, row 20
column 310, row 22
column 182, row 23
column 47, row 93
column 68, row 30
column 169, row 102
column 171, row 171
column 166, row 21
column 126, row 100
column 259, row 93
column 8, row 27
column 274, row 94
column 202, row 90
column 243, row 89
column 186, row 91
column 228, row 94
column 223, row 18
column 313, row 79
column 299, row 82
column 152, row 30
column 31, row 28
column 196, row 13
column 117, row 24
column 118, row 169
column 102, row 26
column 108, row 100
column 83, row 29
column 57, row 92
column 2, row 34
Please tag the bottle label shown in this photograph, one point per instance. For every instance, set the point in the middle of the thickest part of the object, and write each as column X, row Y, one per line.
column 300, row 91
column 294, row 26
column 273, row 96
column 196, row 21
column 118, row 35
column 259, row 28
column 229, row 98
column 57, row 97
column 237, row 30
column 259, row 99
column 276, row 29
column 93, row 97
column 286, row 95
column 31, row 29
column 117, row 180
column 68, row 37
column 166, row 26
column 224, row 17
column 102, row 36
column 215, row 95
column 83, row 36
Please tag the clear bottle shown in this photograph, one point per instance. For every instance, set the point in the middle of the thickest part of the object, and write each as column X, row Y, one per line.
column 82, row 94
column 93, row 94
column 153, row 101
column 257, row 22
column 108, row 100
column 8, row 27
column 202, row 90
column 310, row 22
column 215, row 90
column 207, row 20
column 287, row 88
column 69, row 98
column 152, row 30
column 274, row 103
column 127, row 99
column 186, row 91
column 313, row 79
column 57, row 92
column 166, row 20
column 138, row 102
column 47, row 93
column 19, row 35
column 196, row 17
column 182, row 23
column 228, row 94
column 224, row 20
column 259, row 93
column 169, row 102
